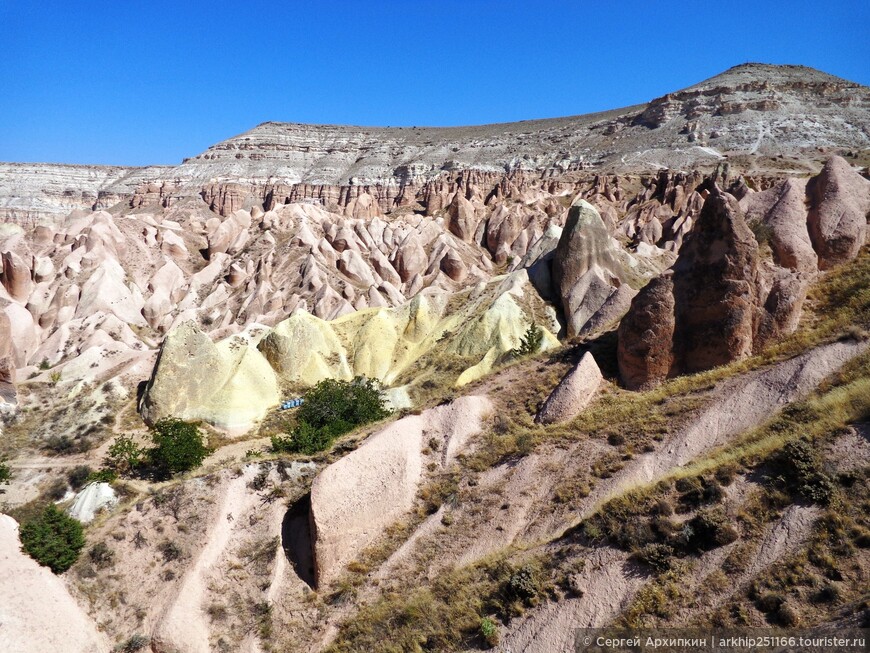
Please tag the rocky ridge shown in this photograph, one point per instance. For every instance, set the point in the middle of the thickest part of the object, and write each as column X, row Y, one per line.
column 778, row 116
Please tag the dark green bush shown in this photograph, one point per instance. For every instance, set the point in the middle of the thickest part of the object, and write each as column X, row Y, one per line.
column 103, row 476
column 522, row 585
column 709, row 529
column 78, row 476
column 332, row 408
column 5, row 472
column 178, row 446
column 343, row 405
column 53, row 539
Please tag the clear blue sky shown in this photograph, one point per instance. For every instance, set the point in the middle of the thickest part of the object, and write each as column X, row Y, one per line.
column 132, row 82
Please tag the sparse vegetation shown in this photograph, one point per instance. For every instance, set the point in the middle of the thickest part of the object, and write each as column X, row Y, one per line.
column 449, row 613
column 169, row 550
column 134, row 644
column 101, row 556
column 53, row 539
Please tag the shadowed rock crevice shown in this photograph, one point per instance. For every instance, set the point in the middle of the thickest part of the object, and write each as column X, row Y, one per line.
column 296, row 539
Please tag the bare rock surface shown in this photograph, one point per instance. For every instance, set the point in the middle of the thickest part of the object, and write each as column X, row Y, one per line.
column 839, row 208
column 720, row 302
column 756, row 111
column 588, row 266
column 37, row 613
column 228, row 384
column 233, row 382
column 8, row 395
column 93, row 498
column 573, row 393
column 356, row 498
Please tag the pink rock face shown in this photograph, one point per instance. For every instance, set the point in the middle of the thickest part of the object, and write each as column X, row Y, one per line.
column 7, row 365
column 463, row 218
column 355, row 498
column 716, row 288
column 837, row 219
column 410, row 258
column 16, row 276
column 782, row 209
column 573, row 393
column 453, row 267
column 646, row 336
column 705, row 311
column 363, row 207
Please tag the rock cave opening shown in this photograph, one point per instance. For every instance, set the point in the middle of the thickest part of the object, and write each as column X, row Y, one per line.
column 296, row 539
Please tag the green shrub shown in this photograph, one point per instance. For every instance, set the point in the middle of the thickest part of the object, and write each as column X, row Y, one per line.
column 762, row 231
column 124, row 455
column 5, row 472
column 304, row 439
column 332, row 408
column 489, row 632
column 343, row 405
column 708, row 530
column 179, row 446
column 103, row 476
column 522, row 585
column 53, row 539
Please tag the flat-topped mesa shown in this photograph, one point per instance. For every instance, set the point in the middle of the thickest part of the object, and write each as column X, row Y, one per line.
column 33, row 192
column 759, row 111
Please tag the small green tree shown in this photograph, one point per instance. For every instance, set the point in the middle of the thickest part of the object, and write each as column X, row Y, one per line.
column 179, row 446
column 530, row 343
column 53, row 539
column 124, row 455
column 5, row 472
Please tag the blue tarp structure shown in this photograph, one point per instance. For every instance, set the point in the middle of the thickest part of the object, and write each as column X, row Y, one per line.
column 292, row 403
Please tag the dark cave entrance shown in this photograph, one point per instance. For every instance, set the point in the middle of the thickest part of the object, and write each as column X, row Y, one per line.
column 296, row 539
